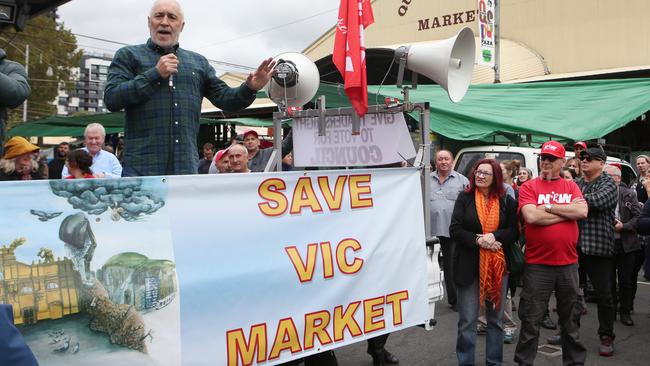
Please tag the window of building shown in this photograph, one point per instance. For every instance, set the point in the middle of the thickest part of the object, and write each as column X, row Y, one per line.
column 26, row 290
column 52, row 286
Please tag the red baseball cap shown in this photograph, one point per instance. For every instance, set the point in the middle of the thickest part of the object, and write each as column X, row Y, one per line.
column 553, row 148
column 251, row 132
column 581, row 144
column 221, row 154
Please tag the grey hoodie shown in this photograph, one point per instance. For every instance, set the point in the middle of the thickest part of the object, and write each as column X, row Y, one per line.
column 14, row 89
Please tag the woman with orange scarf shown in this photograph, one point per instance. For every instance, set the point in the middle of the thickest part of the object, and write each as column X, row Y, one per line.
column 484, row 224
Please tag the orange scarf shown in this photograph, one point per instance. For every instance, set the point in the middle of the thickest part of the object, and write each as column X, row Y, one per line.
column 492, row 264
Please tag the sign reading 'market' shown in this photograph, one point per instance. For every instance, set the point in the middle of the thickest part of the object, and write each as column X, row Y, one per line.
column 383, row 139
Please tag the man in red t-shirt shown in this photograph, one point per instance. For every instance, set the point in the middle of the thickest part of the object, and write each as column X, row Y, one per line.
column 550, row 207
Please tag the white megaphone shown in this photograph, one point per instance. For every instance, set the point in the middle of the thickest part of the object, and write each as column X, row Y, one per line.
column 448, row 62
column 295, row 82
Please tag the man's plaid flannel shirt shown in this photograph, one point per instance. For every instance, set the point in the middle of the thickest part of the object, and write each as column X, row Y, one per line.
column 160, row 138
column 597, row 230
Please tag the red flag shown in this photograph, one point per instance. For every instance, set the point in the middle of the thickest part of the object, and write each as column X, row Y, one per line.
column 349, row 54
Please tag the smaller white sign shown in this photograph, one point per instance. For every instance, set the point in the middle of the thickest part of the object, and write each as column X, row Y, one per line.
column 383, row 139
column 486, row 30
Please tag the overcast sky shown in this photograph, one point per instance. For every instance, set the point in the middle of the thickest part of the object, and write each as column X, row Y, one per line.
column 236, row 31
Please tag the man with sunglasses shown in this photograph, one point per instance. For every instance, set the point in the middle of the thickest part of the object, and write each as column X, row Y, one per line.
column 550, row 207
column 596, row 242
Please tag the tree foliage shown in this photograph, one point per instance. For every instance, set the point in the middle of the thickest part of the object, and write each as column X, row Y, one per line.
column 16, row 243
column 52, row 47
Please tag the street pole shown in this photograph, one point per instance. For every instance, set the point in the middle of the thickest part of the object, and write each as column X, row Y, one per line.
column 26, row 74
column 497, row 42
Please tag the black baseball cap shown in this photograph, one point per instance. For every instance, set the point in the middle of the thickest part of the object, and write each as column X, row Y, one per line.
column 594, row 153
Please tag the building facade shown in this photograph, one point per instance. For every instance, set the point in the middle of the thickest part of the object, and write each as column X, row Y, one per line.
column 87, row 95
column 38, row 291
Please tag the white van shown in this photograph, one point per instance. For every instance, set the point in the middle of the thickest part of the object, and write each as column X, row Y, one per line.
column 528, row 156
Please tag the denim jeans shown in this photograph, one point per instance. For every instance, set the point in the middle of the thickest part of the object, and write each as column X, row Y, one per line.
column 468, row 309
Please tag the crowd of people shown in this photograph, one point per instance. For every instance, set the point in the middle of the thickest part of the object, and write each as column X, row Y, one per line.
column 580, row 227
column 583, row 238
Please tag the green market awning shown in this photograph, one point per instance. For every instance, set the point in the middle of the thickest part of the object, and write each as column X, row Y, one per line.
column 573, row 110
column 112, row 122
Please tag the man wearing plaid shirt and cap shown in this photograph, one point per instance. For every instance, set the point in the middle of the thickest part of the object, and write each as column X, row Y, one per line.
column 597, row 239
column 160, row 86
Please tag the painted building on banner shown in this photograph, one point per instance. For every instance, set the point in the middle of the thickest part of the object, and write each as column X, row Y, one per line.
column 38, row 291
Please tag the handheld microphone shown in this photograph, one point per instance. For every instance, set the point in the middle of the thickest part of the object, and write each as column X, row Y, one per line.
column 169, row 50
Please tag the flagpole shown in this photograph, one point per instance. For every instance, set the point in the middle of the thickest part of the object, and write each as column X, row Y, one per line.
column 497, row 31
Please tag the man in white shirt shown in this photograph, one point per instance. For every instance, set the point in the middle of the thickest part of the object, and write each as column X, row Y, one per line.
column 105, row 164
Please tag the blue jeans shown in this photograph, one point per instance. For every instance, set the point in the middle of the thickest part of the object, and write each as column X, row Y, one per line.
column 468, row 309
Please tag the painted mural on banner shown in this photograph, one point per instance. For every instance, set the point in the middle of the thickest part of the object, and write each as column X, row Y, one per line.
column 487, row 32
column 383, row 139
column 268, row 267
column 88, row 267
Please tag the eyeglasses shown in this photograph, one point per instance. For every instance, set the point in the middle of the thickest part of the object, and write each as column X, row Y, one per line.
column 550, row 158
column 481, row 173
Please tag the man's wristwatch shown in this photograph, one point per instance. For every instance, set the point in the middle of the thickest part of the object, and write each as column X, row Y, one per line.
column 547, row 207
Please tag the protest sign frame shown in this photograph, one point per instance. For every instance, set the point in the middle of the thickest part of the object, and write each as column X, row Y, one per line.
column 422, row 159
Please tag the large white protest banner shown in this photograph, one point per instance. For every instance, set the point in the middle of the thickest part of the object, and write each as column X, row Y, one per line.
column 383, row 139
column 229, row 269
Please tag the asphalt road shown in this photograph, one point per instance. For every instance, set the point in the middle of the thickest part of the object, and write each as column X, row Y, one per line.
column 418, row 347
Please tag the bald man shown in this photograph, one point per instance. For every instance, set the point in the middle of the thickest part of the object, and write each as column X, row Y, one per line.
column 238, row 158
column 160, row 86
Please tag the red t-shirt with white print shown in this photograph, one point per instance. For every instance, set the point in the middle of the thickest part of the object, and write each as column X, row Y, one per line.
column 553, row 245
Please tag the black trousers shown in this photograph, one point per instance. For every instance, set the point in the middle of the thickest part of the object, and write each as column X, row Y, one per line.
column 376, row 344
column 601, row 273
column 539, row 282
column 448, row 248
column 626, row 274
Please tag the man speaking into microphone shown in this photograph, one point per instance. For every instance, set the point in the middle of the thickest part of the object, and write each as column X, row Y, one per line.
column 160, row 86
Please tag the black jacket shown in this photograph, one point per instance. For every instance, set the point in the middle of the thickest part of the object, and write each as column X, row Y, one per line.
column 14, row 89
column 464, row 227
column 643, row 222
column 628, row 211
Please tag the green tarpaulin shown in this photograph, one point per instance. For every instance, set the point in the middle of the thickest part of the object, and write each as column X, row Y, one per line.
column 112, row 122
column 574, row 110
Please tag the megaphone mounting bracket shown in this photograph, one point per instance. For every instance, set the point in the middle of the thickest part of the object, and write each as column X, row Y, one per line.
column 401, row 56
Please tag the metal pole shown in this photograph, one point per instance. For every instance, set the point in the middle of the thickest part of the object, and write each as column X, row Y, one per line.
column 27, row 74
column 497, row 42
column 426, row 167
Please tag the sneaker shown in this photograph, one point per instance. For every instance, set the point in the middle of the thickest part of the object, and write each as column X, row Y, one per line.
column 481, row 329
column 548, row 323
column 606, row 348
column 509, row 336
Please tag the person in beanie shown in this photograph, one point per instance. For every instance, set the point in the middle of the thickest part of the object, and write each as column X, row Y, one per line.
column 19, row 160
column 14, row 89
